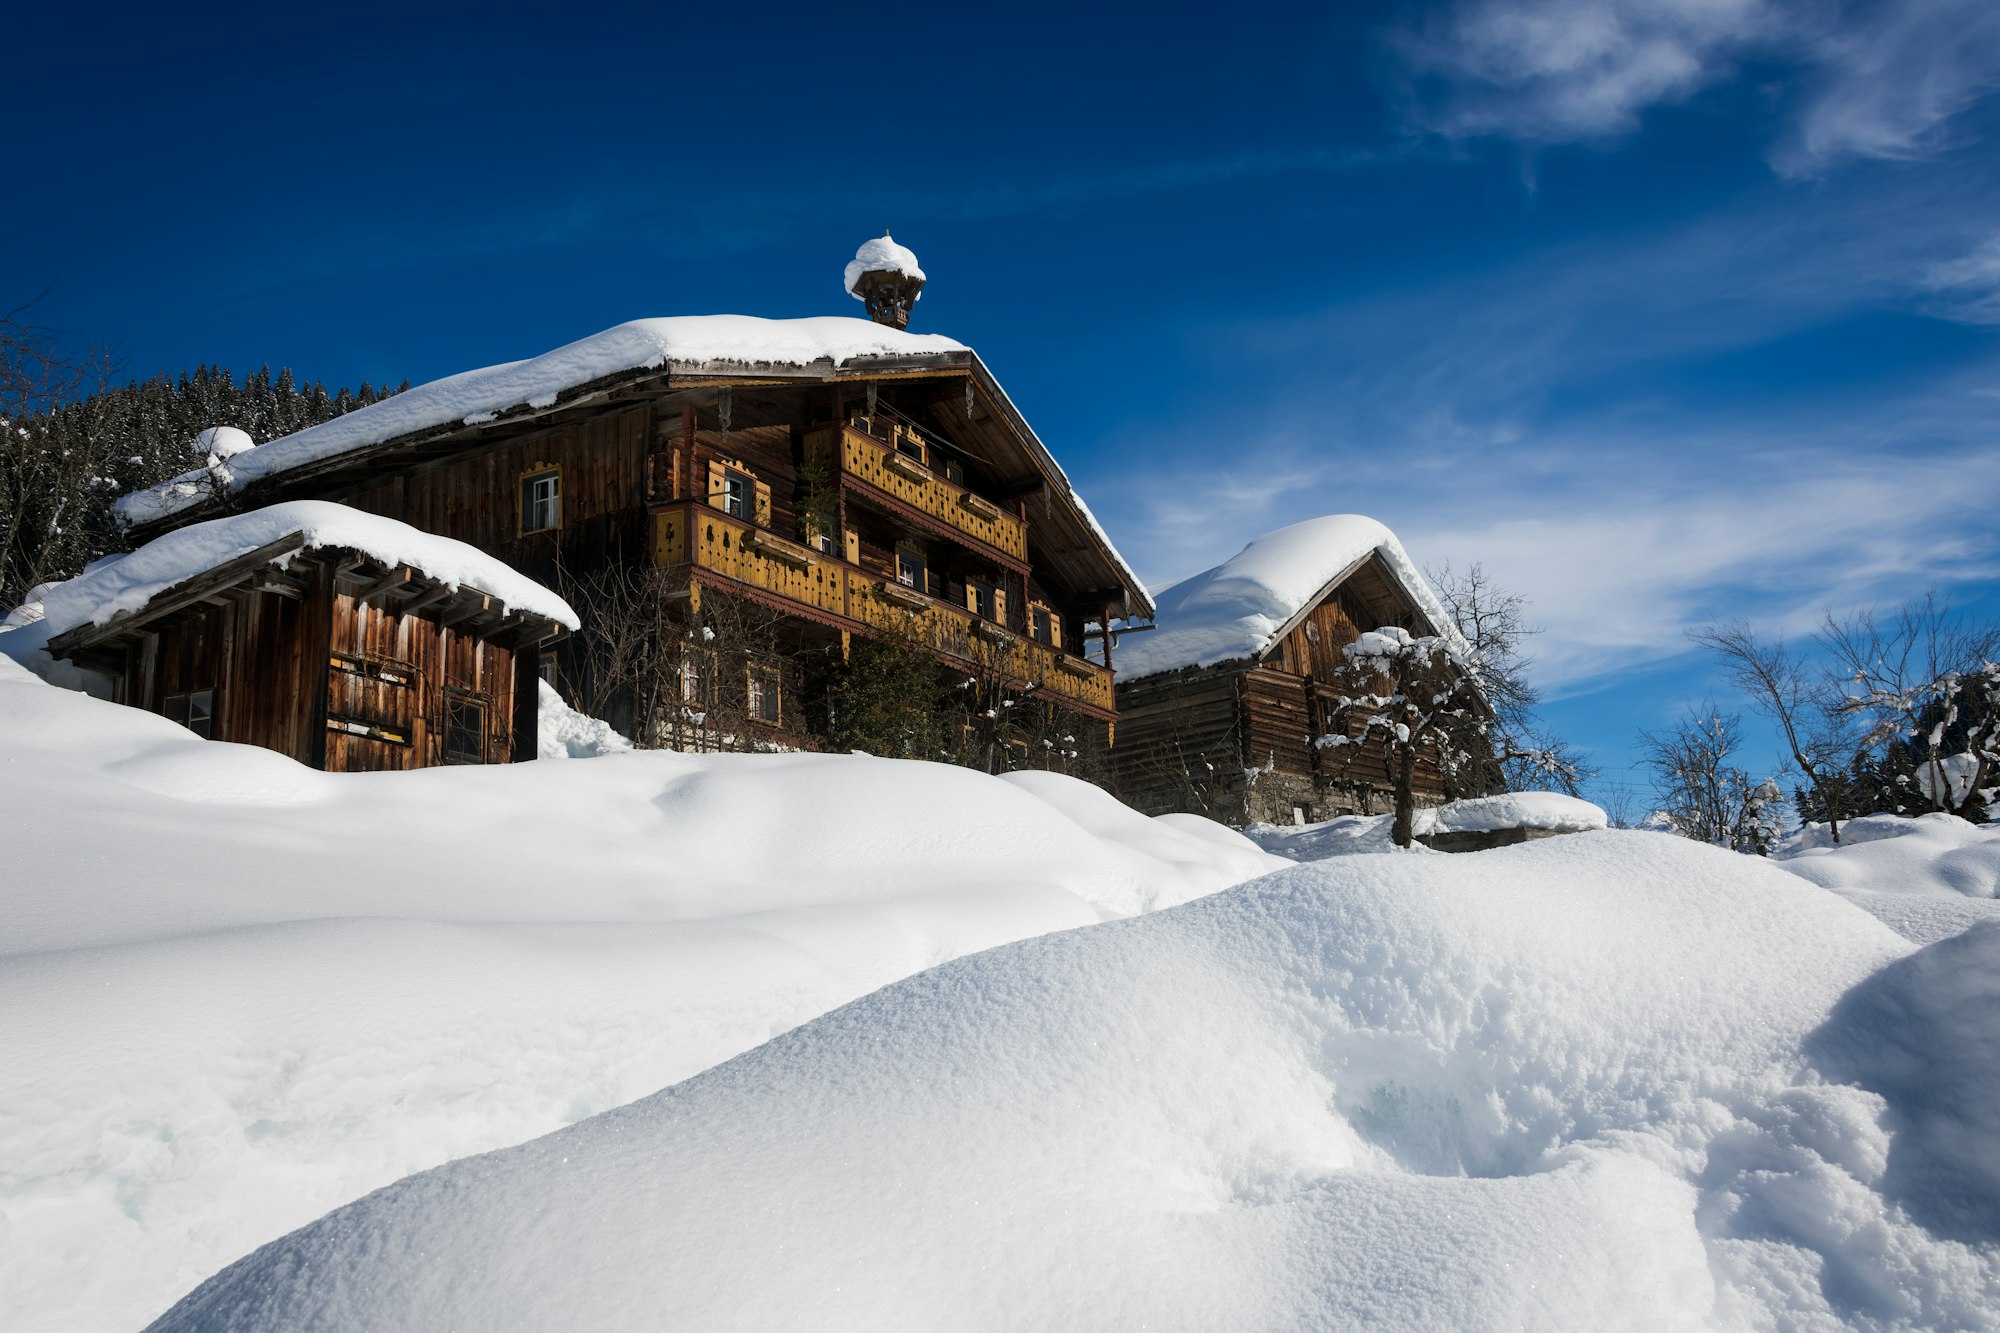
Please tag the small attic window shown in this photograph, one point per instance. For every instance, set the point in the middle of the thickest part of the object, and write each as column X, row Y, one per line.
column 541, row 500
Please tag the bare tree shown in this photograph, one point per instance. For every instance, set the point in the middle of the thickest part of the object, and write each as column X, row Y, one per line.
column 1702, row 795
column 1930, row 681
column 1493, row 622
column 1796, row 698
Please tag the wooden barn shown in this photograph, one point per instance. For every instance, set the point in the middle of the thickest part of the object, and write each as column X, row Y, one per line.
column 349, row 642
column 1221, row 704
column 750, row 497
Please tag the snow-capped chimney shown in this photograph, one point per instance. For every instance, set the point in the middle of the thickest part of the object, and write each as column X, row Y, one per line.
column 885, row 276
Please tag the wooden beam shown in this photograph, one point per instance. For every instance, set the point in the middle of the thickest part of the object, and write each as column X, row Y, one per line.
column 425, row 600
column 397, row 576
column 188, row 592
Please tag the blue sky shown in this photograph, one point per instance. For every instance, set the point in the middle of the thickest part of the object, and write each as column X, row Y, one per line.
column 1665, row 311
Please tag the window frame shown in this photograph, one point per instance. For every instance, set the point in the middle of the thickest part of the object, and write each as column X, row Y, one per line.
column 763, row 684
column 527, row 503
column 983, row 598
column 749, row 495
column 919, row 564
column 457, row 702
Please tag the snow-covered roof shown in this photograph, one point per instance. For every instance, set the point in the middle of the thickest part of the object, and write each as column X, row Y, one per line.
column 881, row 255
column 478, row 395
column 1240, row 608
column 128, row 583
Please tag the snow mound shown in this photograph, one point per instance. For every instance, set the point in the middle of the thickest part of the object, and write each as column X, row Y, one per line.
column 563, row 733
column 689, row 340
column 1237, row 609
column 1929, row 878
column 1352, row 835
column 223, row 442
column 1567, row 1085
column 128, row 583
column 881, row 255
column 236, row 992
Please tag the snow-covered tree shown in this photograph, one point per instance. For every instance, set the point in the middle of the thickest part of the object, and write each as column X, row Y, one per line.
column 1418, row 698
column 1926, row 684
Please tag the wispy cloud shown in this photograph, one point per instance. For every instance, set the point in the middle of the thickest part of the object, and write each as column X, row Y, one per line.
column 1554, row 71
column 1880, row 80
column 1968, row 288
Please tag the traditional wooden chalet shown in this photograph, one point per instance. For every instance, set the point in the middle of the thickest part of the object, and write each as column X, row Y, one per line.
column 1222, row 704
column 820, row 479
column 347, row 641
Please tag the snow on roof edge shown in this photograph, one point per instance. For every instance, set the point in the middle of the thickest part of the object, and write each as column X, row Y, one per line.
column 471, row 396
column 130, row 582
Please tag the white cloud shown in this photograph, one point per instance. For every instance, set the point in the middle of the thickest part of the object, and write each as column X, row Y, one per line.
column 1887, row 83
column 1967, row 289
column 1560, row 70
column 1877, row 80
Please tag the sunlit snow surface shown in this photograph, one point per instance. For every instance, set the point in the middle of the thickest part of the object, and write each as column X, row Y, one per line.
column 235, row 993
column 1612, row 1080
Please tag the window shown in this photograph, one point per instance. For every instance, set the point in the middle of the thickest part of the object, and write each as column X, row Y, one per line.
column 739, row 495
column 979, row 599
column 194, row 710
column 546, row 669
column 910, row 571
column 826, row 534
column 697, row 677
column 464, row 728
column 541, row 500
column 954, row 472
column 762, row 694
column 909, row 443
column 1042, row 625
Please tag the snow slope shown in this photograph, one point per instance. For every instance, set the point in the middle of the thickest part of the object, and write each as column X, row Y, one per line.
column 1353, row 835
column 1236, row 609
column 1928, row 877
column 235, row 992
column 1615, row 1080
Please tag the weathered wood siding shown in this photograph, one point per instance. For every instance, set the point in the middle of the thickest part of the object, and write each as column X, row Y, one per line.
column 475, row 497
column 254, row 652
column 390, row 677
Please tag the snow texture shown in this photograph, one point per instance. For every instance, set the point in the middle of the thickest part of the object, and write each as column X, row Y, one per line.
column 563, row 733
column 1928, row 878
column 223, row 442
column 128, row 583
column 881, row 255
column 236, row 992
column 691, row 340
column 1616, row 1080
column 1351, row 835
column 1237, row 609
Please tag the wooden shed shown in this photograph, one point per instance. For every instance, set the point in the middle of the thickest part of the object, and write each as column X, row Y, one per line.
column 1222, row 706
column 349, row 642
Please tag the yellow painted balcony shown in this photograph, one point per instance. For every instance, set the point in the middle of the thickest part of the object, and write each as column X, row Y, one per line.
column 894, row 609
column 709, row 539
column 902, row 477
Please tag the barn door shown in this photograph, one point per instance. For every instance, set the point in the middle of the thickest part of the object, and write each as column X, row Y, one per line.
column 372, row 714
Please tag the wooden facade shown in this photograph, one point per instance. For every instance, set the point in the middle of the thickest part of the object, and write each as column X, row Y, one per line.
column 336, row 659
column 898, row 494
column 1236, row 741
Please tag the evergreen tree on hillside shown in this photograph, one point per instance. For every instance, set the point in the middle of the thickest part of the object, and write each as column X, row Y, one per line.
column 70, row 445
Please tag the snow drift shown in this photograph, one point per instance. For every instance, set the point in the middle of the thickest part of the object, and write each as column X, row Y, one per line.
column 1592, row 1082
column 236, row 992
column 1928, row 877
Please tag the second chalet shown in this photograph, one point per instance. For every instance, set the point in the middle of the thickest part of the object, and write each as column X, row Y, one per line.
column 1225, row 704
column 738, row 501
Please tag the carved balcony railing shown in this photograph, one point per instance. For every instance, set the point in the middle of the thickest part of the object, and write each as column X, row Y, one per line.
column 853, row 454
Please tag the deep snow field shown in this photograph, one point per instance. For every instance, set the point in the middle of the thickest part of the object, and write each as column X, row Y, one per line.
column 1609, row 1080
column 236, row 992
